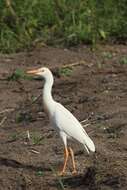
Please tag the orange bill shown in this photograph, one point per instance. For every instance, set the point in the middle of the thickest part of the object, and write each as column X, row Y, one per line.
column 35, row 71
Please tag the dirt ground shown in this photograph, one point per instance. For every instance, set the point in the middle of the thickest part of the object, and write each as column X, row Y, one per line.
column 94, row 87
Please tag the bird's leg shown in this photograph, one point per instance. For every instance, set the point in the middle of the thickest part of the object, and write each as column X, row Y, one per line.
column 66, row 154
column 73, row 160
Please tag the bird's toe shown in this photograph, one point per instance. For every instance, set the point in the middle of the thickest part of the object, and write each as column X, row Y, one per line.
column 74, row 172
column 62, row 173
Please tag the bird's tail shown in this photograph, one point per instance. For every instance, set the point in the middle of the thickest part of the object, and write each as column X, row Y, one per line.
column 89, row 144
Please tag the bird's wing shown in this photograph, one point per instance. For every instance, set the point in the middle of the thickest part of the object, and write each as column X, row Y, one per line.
column 66, row 122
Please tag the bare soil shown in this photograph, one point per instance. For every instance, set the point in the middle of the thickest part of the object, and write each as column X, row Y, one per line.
column 95, row 88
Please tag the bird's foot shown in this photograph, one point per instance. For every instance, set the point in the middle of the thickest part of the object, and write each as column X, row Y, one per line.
column 62, row 173
column 74, row 172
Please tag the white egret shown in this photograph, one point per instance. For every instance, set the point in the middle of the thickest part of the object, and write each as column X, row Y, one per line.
column 62, row 119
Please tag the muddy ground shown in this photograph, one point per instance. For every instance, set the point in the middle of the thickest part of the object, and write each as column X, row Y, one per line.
column 93, row 87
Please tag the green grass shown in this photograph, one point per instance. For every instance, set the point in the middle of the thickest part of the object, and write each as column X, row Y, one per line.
column 65, row 71
column 23, row 117
column 14, row 137
column 123, row 60
column 24, row 24
column 107, row 55
column 40, row 173
column 19, row 74
column 36, row 139
column 59, row 179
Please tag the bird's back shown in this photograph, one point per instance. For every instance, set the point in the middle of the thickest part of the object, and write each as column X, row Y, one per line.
column 65, row 121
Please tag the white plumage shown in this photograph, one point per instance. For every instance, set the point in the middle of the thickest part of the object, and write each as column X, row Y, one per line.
column 62, row 119
column 69, row 125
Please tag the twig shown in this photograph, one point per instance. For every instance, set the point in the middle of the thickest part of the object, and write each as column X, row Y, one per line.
column 3, row 120
column 74, row 64
column 86, row 125
column 83, row 121
column 32, row 102
column 91, row 131
column 7, row 110
column 36, row 98
column 35, row 151
column 28, row 135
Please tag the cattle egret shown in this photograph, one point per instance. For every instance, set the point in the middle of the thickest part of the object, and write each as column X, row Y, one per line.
column 62, row 119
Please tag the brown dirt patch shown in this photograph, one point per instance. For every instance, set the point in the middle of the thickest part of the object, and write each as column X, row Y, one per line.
column 95, row 89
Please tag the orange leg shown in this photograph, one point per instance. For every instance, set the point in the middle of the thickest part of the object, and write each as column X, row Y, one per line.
column 73, row 161
column 65, row 161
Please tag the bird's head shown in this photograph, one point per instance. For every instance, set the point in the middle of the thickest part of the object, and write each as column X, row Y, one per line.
column 43, row 72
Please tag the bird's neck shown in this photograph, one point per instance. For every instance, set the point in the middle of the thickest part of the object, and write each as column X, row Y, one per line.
column 47, row 95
